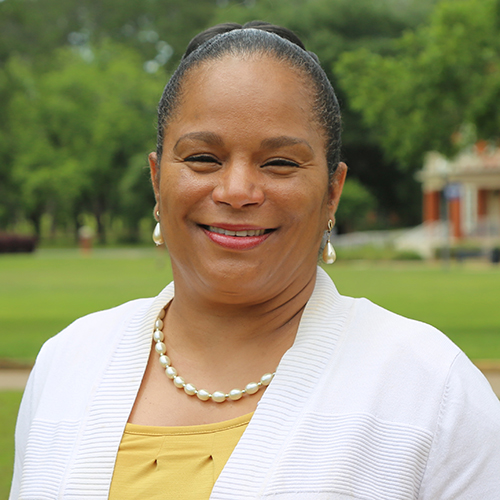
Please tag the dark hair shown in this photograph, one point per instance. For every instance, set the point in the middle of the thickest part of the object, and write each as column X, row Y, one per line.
column 257, row 37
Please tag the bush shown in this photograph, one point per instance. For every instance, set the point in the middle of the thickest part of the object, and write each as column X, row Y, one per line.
column 17, row 243
column 460, row 252
column 407, row 255
column 376, row 253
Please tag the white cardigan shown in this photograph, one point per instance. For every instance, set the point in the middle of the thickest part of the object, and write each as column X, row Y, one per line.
column 365, row 405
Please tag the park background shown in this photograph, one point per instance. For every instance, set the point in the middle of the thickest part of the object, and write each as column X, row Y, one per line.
column 79, row 85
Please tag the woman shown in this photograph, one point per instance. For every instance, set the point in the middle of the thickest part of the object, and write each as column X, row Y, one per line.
column 261, row 380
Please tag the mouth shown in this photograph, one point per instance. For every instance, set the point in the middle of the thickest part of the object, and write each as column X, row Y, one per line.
column 237, row 237
column 245, row 232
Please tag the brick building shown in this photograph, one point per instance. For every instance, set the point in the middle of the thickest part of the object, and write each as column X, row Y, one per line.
column 465, row 190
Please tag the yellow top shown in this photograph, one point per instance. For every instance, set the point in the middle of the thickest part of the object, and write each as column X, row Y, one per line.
column 173, row 462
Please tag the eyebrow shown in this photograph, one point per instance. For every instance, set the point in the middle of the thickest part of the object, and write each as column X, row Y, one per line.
column 282, row 141
column 210, row 138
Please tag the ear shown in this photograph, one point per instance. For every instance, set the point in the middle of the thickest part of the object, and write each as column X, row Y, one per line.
column 336, row 186
column 155, row 175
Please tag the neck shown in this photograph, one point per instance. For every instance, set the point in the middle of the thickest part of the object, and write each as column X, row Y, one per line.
column 257, row 333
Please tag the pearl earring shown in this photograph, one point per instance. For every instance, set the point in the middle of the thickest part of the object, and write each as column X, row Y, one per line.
column 329, row 255
column 157, row 236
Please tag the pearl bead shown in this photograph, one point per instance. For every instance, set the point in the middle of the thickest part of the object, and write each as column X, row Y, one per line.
column 235, row 394
column 190, row 389
column 252, row 388
column 179, row 382
column 159, row 324
column 329, row 255
column 158, row 336
column 266, row 379
column 171, row 372
column 203, row 395
column 162, row 314
column 164, row 360
column 218, row 397
column 160, row 348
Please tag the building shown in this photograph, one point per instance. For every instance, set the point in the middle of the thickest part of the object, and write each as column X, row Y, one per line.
column 465, row 191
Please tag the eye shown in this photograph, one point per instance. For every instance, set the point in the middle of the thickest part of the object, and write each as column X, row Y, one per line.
column 201, row 159
column 202, row 162
column 281, row 166
column 281, row 161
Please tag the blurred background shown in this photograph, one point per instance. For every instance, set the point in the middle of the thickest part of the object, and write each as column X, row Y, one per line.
column 418, row 81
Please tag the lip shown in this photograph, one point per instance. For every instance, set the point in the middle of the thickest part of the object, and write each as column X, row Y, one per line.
column 236, row 227
column 237, row 242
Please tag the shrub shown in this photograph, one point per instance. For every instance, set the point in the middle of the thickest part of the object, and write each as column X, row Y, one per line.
column 16, row 243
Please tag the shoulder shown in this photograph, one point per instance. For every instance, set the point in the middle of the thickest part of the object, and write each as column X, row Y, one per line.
column 402, row 353
column 89, row 340
column 99, row 326
column 386, row 361
column 369, row 330
column 388, row 330
column 407, row 369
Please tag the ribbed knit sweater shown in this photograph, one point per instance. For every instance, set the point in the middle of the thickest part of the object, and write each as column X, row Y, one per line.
column 365, row 405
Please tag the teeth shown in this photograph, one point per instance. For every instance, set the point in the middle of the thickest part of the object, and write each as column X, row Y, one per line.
column 218, row 230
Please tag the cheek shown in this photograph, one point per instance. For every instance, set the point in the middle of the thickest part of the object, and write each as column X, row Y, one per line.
column 310, row 197
column 181, row 191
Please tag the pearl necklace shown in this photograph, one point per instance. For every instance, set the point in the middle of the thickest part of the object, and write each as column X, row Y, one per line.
column 190, row 389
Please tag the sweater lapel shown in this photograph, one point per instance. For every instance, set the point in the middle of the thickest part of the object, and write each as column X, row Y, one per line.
column 251, row 465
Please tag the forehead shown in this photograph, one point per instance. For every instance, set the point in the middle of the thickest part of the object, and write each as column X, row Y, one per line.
column 248, row 90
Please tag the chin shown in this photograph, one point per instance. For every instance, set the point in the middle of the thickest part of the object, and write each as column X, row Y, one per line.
column 236, row 282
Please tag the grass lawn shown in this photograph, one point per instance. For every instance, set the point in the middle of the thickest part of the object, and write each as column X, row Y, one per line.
column 9, row 404
column 40, row 294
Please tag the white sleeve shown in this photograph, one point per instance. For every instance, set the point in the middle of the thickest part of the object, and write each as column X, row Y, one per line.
column 23, row 425
column 464, row 461
column 27, row 410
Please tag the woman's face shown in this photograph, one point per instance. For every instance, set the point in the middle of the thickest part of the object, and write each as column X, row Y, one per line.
column 243, row 190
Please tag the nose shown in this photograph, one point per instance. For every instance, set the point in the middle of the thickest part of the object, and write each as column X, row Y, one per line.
column 239, row 185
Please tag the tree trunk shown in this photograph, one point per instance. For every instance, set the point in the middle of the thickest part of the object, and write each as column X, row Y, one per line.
column 101, row 229
column 36, row 220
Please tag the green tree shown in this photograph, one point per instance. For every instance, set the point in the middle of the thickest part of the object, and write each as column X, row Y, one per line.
column 77, row 129
column 9, row 195
column 355, row 206
column 34, row 27
column 442, row 83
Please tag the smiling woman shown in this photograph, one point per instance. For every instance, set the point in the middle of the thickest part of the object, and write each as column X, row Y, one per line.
column 252, row 377
column 237, row 157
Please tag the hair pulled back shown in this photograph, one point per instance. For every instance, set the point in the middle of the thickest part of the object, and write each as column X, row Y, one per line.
column 257, row 37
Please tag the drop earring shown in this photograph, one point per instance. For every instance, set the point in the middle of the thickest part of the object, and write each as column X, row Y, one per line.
column 329, row 255
column 157, row 236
